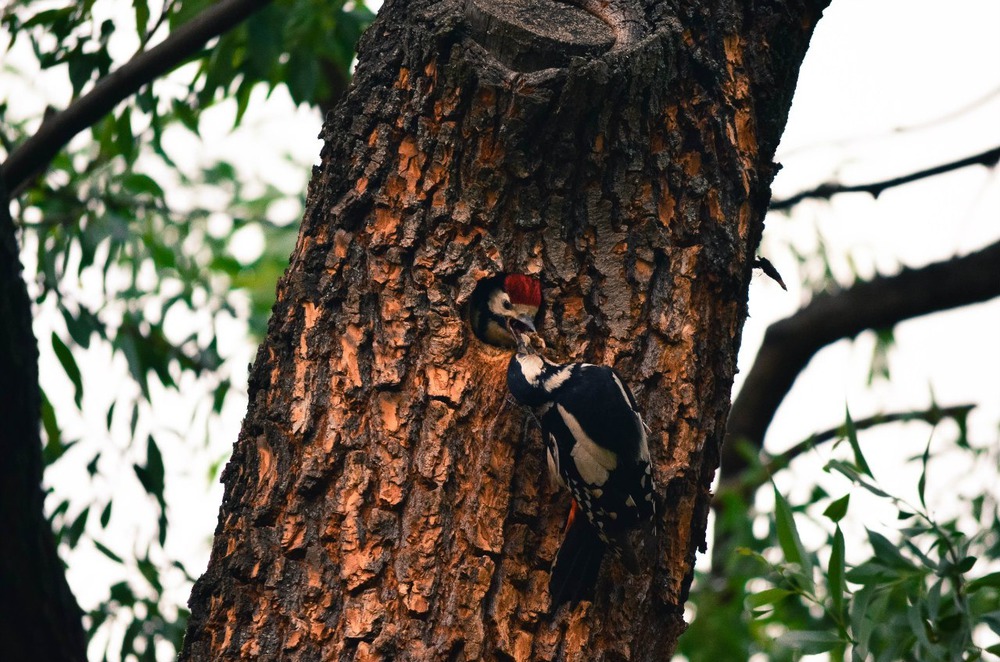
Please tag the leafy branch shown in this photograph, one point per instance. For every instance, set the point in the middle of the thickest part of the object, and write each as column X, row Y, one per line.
column 34, row 154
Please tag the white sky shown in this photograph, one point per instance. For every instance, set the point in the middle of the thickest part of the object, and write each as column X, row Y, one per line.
column 873, row 68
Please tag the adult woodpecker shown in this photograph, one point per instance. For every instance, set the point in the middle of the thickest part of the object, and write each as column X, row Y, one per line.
column 596, row 447
column 503, row 305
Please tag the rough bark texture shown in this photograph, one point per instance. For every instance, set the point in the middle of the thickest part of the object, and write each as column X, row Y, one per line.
column 384, row 501
column 39, row 617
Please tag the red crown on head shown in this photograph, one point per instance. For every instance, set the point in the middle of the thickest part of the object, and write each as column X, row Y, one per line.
column 523, row 289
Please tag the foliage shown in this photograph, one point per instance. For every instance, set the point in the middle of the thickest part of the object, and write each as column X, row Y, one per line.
column 131, row 267
column 928, row 590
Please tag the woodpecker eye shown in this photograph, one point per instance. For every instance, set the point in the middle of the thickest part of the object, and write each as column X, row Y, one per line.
column 507, row 304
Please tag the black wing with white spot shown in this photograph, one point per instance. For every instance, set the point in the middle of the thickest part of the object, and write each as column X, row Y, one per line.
column 598, row 444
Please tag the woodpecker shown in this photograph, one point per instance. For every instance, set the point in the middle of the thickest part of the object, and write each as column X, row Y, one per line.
column 596, row 447
column 503, row 305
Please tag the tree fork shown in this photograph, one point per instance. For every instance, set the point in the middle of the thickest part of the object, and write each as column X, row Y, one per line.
column 384, row 501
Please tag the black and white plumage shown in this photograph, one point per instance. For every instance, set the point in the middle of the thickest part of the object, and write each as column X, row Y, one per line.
column 597, row 448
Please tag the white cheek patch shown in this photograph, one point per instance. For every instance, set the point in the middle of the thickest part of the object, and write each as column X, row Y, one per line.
column 594, row 462
column 496, row 304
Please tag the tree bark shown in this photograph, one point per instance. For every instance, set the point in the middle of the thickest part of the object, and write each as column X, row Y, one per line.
column 384, row 500
column 39, row 617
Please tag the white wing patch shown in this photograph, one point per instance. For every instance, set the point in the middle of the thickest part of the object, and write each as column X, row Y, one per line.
column 558, row 379
column 552, row 458
column 643, row 443
column 621, row 387
column 594, row 462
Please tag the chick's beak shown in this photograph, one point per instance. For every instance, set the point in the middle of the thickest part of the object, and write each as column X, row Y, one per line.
column 527, row 321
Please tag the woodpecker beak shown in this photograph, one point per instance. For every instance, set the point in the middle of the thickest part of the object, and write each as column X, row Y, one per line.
column 527, row 321
column 522, row 324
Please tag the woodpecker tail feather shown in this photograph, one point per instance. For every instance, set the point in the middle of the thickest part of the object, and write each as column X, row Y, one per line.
column 574, row 572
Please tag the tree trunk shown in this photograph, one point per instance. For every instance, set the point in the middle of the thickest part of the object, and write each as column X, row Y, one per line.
column 39, row 617
column 384, row 500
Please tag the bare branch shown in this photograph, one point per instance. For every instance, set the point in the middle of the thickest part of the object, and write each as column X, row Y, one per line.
column 35, row 153
column 827, row 191
column 790, row 343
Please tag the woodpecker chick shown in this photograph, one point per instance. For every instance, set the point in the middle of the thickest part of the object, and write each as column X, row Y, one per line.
column 596, row 447
column 504, row 305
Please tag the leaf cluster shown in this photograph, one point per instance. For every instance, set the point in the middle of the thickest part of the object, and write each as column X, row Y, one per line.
column 926, row 590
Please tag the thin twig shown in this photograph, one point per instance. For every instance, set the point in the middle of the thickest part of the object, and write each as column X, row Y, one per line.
column 827, row 191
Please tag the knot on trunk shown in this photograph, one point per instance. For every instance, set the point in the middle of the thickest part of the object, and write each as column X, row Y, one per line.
column 530, row 35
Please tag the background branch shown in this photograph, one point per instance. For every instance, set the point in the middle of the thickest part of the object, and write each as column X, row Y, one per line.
column 790, row 343
column 35, row 153
column 746, row 483
column 827, row 191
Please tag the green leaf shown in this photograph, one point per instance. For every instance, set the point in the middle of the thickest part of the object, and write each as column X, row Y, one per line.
column 75, row 530
column 219, row 397
column 918, row 626
column 850, row 472
column 151, row 476
column 922, row 482
column 150, row 572
column 302, row 77
column 767, row 597
column 108, row 553
column 141, row 18
column 54, row 447
column 81, row 69
column 836, row 510
column 810, row 642
column 124, row 140
column 69, row 366
column 991, row 580
column 888, row 552
column 862, row 624
column 965, row 564
column 836, row 584
column 106, row 515
column 110, row 415
column 138, row 183
column 78, row 328
column 122, row 594
column 871, row 572
column 992, row 621
column 852, row 437
column 788, row 535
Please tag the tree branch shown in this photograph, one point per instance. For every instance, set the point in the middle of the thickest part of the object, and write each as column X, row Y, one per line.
column 827, row 191
column 747, row 485
column 35, row 153
column 39, row 617
column 790, row 343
